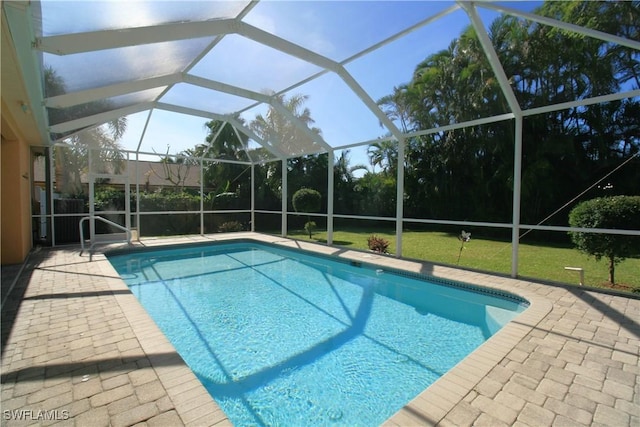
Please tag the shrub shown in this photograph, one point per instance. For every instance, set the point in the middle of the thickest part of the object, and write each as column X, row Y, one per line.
column 378, row 244
column 169, row 224
column 310, row 227
column 230, row 227
column 226, row 201
column 622, row 212
column 307, row 200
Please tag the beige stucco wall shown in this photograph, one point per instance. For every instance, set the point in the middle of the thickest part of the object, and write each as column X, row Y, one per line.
column 15, row 201
column 19, row 132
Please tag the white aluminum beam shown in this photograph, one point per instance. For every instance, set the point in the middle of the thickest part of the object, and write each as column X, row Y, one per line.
column 469, row 123
column 562, row 25
column 582, row 230
column 67, row 44
column 517, row 195
column 89, row 95
column 370, row 103
column 284, row 195
column 20, row 25
column 224, row 123
column 237, row 91
column 582, row 102
column 213, row 116
column 242, row 128
column 252, row 227
column 400, row 197
column 492, row 55
column 278, row 43
column 72, row 134
column 226, row 88
column 299, row 124
column 330, row 195
column 510, row 96
column 189, row 111
column 299, row 52
column 246, row 148
column 402, row 33
column 98, row 119
column 144, row 131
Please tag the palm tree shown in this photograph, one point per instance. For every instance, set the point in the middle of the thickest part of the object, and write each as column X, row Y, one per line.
column 223, row 142
column 277, row 129
column 343, row 171
column 72, row 160
column 397, row 107
column 344, row 183
column 385, row 155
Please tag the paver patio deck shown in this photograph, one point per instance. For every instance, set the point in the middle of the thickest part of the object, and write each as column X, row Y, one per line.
column 78, row 349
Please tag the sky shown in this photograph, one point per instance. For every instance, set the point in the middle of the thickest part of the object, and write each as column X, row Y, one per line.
column 334, row 29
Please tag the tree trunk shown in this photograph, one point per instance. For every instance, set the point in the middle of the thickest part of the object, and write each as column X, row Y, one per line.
column 612, row 267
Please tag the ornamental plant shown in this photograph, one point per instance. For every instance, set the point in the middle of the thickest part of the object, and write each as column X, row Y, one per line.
column 307, row 200
column 464, row 237
column 378, row 244
column 230, row 227
column 621, row 212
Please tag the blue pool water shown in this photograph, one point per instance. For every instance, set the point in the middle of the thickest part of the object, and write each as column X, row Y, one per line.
column 279, row 337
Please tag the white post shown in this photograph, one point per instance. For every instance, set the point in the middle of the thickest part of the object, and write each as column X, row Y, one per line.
column 137, row 195
column 400, row 197
column 330, row 194
column 284, row 197
column 517, row 193
column 201, row 197
column 127, row 197
column 253, row 198
column 92, row 209
column 52, row 177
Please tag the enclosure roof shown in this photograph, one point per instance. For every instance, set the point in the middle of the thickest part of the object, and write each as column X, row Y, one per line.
column 232, row 60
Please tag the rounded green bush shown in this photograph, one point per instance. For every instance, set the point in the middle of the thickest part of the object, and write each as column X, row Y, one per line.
column 306, row 200
column 617, row 212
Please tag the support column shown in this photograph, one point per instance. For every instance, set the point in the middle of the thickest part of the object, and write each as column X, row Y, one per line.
column 252, row 226
column 330, row 195
column 202, row 197
column 400, row 197
column 51, row 178
column 517, row 193
column 92, row 200
column 284, row 197
column 127, row 195
column 138, row 225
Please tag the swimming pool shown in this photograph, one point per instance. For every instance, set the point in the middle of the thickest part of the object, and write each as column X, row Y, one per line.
column 280, row 337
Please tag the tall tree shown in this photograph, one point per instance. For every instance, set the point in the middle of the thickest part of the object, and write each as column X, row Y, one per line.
column 304, row 170
column 223, row 142
column 452, row 174
column 277, row 129
column 344, row 182
column 385, row 155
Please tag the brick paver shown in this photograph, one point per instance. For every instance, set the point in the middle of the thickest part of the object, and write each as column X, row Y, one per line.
column 79, row 349
column 71, row 354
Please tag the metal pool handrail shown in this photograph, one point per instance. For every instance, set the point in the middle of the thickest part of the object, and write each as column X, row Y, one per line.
column 94, row 241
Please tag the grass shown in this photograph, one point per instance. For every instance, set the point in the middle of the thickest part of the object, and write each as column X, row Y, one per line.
column 536, row 260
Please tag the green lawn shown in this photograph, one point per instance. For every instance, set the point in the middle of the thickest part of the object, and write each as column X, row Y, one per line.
column 535, row 260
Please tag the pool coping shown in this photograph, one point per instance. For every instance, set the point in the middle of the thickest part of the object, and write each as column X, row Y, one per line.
column 429, row 407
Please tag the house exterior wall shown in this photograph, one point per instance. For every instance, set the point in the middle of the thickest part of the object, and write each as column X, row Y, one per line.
column 15, row 203
column 18, row 132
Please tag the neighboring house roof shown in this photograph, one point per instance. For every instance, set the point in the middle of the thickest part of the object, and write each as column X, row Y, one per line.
column 156, row 174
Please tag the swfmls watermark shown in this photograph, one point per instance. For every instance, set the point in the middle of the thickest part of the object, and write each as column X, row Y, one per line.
column 35, row 415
